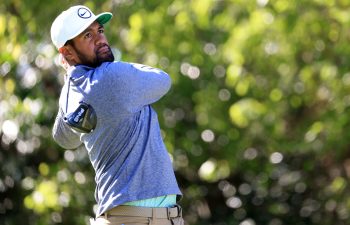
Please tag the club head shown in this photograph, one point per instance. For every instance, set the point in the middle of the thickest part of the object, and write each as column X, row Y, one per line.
column 83, row 119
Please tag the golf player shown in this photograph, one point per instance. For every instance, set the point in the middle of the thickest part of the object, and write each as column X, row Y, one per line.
column 105, row 106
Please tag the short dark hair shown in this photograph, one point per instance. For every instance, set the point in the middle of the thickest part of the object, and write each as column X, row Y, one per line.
column 69, row 42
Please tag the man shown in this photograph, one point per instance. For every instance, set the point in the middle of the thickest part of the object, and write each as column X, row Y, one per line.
column 105, row 105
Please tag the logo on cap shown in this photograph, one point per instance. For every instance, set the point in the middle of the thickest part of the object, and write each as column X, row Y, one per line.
column 84, row 13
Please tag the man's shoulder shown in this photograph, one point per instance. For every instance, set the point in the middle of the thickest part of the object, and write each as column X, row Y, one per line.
column 116, row 69
column 114, row 64
column 110, row 72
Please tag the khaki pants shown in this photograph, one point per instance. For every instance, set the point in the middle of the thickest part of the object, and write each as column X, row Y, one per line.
column 131, row 215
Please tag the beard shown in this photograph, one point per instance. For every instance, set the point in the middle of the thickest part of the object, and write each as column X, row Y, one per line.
column 103, row 53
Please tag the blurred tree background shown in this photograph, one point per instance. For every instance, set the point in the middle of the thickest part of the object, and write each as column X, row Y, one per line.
column 257, row 121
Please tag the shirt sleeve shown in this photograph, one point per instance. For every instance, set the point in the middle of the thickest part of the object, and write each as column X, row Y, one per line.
column 139, row 85
column 63, row 134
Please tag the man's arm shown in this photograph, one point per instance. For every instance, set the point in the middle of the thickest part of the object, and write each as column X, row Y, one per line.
column 63, row 134
column 138, row 84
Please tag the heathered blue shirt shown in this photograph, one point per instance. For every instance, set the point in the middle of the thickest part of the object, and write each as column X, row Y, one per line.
column 126, row 148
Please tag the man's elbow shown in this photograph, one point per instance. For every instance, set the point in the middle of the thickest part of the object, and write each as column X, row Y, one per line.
column 166, row 82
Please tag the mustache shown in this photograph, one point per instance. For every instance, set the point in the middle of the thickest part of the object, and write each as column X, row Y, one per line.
column 101, row 46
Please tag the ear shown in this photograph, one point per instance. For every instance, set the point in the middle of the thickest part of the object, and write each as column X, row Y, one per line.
column 68, row 54
column 63, row 62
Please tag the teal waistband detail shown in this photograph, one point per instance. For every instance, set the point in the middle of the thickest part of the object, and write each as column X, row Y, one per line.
column 162, row 201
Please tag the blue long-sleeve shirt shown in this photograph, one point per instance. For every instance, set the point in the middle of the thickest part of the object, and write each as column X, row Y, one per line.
column 126, row 148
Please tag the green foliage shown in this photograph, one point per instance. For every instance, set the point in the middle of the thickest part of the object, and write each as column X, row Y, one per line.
column 256, row 121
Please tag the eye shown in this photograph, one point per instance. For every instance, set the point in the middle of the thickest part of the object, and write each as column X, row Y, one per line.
column 101, row 31
column 87, row 35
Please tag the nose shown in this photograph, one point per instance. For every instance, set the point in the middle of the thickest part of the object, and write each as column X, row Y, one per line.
column 100, row 39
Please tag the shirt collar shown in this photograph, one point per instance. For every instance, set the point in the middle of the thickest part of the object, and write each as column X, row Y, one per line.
column 78, row 71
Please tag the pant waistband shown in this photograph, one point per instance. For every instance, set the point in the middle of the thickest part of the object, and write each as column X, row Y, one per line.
column 160, row 213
